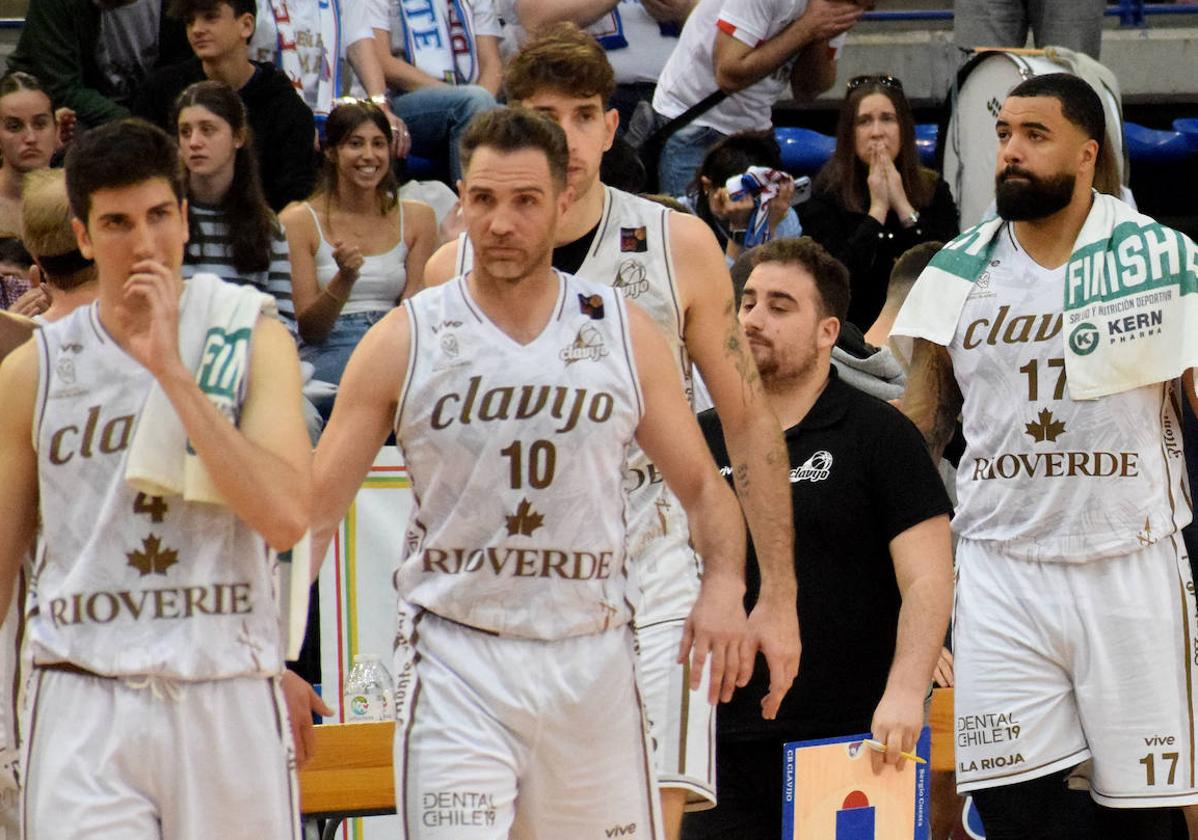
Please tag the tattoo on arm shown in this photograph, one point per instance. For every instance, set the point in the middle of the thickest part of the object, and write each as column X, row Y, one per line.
column 740, row 475
column 734, row 347
column 933, row 400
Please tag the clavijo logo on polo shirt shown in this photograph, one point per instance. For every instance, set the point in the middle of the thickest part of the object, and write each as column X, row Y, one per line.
column 816, row 468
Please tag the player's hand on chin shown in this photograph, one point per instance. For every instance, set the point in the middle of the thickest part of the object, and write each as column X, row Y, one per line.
column 717, row 626
column 150, row 316
column 897, row 722
column 774, row 630
column 302, row 700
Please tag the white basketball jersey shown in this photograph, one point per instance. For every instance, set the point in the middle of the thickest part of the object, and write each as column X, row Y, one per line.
column 516, row 454
column 1051, row 478
column 123, row 583
column 631, row 252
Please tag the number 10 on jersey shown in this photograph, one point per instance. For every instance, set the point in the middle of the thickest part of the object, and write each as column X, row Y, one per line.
column 541, row 463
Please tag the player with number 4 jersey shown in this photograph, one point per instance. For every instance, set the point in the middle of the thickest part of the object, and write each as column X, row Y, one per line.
column 154, row 709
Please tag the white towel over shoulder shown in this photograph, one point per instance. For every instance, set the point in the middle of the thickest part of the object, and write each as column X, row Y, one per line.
column 1127, row 273
column 216, row 322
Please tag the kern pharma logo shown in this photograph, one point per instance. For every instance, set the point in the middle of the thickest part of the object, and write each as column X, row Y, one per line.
column 1084, row 339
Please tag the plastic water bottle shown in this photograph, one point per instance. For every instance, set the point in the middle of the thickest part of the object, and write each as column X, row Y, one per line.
column 369, row 695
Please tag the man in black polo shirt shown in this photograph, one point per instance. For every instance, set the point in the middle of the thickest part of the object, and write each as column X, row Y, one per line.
column 872, row 551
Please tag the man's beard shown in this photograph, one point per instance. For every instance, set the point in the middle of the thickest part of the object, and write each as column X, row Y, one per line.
column 779, row 376
column 1035, row 198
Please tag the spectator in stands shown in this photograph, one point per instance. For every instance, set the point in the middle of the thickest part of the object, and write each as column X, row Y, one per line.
column 313, row 41
column 356, row 250
column 14, row 271
column 441, row 71
column 63, row 278
column 873, row 560
column 873, row 200
column 638, row 35
column 1076, row 24
column 234, row 233
column 707, row 196
column 93, row 54
column 283, row 127
column 27, row 140
column 751, row 50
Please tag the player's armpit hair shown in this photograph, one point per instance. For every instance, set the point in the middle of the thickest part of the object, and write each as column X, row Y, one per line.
column 933, row 399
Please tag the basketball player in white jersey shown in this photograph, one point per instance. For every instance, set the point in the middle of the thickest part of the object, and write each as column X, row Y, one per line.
column 154, row 709
column 1075, row 623
column 669, row 264
column 14, row 331
column 515, row 392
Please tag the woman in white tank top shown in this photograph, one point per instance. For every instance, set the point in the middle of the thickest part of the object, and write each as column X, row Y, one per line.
column 356, row 249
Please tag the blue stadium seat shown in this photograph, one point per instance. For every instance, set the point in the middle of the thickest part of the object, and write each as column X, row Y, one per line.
column 804, row 151
column 1187, row 127
column 1149, row 145
column 927, row 135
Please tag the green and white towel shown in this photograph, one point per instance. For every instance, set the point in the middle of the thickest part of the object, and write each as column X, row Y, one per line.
column 1127, row 274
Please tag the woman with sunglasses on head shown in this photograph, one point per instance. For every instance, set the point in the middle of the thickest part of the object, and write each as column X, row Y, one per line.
column 873, row 200
column 234, row 233
column 356, row 249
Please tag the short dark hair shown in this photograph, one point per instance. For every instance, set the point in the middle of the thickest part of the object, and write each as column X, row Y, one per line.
column 515, row 129
column 830, row 276
column 907, row 269
column 1079, row 102
column 563, row 59
column 185, row 10
column 12, row 250
column 120, row 154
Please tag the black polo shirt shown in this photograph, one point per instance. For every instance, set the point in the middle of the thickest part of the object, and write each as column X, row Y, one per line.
column 860, row 475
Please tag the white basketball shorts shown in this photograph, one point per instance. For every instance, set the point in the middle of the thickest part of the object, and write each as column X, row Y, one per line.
column 1063, row 663
column 499, row 737
column 162, row 761
column 681, row 721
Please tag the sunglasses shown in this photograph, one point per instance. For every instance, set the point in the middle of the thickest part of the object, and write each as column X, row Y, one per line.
column 353, row 100
column 883, row 80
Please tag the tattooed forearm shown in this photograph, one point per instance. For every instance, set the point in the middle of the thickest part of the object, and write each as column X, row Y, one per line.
column 740, row 475
column 933, row 399
column 736, row 348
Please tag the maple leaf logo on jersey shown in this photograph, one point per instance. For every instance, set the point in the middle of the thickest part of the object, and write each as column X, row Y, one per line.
column 152, row 558
column 524, row 521
column 1046, row 429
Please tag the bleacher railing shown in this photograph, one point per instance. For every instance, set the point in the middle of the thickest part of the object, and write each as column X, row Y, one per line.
column 1129, row 12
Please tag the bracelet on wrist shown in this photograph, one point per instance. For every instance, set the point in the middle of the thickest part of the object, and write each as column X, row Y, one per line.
column 325, row 291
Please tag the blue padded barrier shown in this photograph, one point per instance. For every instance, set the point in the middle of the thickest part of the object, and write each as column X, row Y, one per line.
column 927, row 135
column 1187, row 127
column 1149, row 145
column 804, row 151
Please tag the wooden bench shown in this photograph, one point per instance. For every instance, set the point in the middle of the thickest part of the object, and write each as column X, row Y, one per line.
column 940, row 719
column 350, row 774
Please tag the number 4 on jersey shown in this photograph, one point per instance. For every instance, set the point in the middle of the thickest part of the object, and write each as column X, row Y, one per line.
column 153, row 506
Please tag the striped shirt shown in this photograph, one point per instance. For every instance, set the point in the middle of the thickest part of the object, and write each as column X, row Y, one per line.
column 209, row 250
